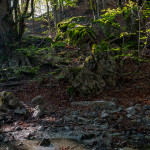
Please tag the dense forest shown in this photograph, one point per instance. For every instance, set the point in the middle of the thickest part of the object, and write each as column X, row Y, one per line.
column 74, row 75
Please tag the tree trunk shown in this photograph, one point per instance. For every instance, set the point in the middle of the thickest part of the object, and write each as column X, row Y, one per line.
column 48, row 16
column 5, row 26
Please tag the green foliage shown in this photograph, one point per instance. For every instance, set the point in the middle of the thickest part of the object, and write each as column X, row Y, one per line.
column 58, row 45
column 75, row 33
column 20, row 71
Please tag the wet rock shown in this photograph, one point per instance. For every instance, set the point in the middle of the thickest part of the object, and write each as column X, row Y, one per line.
column 21, row 111
column 38, row 100
column 29, row 135
column 40, row 128
column 45, row 142
column 38, row 111
column 7, row 139
column 102, row 104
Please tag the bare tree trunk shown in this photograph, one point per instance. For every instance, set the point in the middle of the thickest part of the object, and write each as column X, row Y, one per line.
column 54, row 4
column 33, row 22
column 48, row 17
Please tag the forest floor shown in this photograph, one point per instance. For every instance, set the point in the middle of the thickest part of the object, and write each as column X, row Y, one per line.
column 133, row 90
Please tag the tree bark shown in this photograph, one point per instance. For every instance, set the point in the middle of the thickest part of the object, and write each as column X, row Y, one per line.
column 4, row 25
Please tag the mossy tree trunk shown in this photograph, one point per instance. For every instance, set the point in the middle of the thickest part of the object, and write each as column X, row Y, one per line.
column 12, row 26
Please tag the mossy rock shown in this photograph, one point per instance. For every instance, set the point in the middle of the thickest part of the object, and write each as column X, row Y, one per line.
column 9, row 99
column 87, row 83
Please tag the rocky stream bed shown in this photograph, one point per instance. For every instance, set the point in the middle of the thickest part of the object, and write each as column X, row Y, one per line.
column 85, row 125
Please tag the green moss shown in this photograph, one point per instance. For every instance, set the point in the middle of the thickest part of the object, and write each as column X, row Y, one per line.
column 70, row 90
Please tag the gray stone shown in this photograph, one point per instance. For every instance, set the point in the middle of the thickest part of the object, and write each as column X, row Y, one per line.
column 38, row 111
column 74, row 112
column 146, row 107
column 3, row 115
column 21, row 111
column 90, row 142
column 104, row 114
column 67, row 119
column 6, row 139
column 102, row 104
column 131, row 110
column 82, row 119
column 4, row 108
column 1, row 137
column 38, row 100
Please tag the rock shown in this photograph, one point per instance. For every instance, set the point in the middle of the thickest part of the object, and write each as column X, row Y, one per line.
column 146, row 120
column 4, row 108
column 3, row 115
column 9, row 99
column 74, row 112
column 131, row 110
column 67, row 119
column 38, row 111
column 82, row 119
column 90, row 142
column 38, row 100
column 21, row 111
column 146, row 107
column 45, row 142
column 104, row 126
column 126, row 148
column 104, row 114
column 101, row 145
column 18, row 129
column 2, row 137
column 40, row 128
column 102, row 104
column 86, row 136
column 87, row 83
column 6, row 139
column 29, row 135
column 107, row 138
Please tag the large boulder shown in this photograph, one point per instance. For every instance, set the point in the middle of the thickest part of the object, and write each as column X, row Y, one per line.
column 88, row 83
column 97, row 73
column 9, row 99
